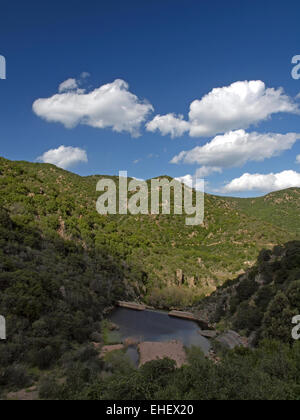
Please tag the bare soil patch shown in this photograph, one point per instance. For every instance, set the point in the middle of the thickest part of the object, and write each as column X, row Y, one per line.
column 159, row 350
column 109, row 349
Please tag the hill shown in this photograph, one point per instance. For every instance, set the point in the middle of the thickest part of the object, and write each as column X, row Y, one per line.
column 62, row 265
column 59, row 203
column 261, row 303
column 53, row 294
column 281, row 208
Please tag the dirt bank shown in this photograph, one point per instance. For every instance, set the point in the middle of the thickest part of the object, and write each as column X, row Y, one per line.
column 158, row 350
column 109, row 349
column 131, row 305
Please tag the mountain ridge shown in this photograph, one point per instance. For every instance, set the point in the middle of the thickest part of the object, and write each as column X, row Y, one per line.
column 63, row 265
column 60, row 202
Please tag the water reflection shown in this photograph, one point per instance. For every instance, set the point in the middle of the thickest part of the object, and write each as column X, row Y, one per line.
column 156, row 326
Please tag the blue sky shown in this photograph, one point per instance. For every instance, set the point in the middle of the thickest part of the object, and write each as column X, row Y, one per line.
column 170, row 53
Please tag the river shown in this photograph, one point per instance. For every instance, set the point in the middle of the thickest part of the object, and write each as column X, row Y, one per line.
column 155, row 326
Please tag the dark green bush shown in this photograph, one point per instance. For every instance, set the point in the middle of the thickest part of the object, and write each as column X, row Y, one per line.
column 15, row 377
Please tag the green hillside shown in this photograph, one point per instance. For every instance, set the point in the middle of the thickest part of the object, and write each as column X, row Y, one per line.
column 62, row 265
column 53, row 294
column 281, row 208
column 59, row 203
column 261, row 303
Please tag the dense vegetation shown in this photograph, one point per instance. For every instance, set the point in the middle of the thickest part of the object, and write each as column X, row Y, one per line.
column 55, row 201
column 53, row 294
column 271, row 372
column 281, row 208
column 62, row 265
column 261, row 303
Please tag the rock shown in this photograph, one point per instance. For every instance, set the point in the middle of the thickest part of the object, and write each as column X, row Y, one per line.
column 191, row 282
column 252, row 339
column 113, row 327
column 259, row 279
column 232, row 339
column 63, row 292
column 179, row 277
column 97, row 346
column 213, row 357
column 208, row 334
column 96, row 337
column 131, row 305
column 109, row 349
column 184, row 315
column 131, row 341
column 108, row 310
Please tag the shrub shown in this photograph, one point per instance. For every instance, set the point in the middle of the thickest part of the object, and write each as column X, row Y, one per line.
column 246, row 289
column 16, row 377
column 248, row 318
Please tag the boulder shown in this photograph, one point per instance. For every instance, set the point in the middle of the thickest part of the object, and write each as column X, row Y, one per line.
column 191, row 282
column 208, row 333
column 179, row 277
column 232, row 339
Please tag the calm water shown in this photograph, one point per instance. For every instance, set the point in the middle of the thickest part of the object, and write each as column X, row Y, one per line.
column 157, row 326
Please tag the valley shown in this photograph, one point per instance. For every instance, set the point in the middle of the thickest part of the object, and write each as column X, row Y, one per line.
column 180, row 263
column 63, row 267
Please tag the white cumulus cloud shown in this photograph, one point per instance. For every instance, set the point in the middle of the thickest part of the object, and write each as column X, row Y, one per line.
column 85, row 75
column 263, row 183
column 237, row 106
column 236, row 148
column 191, row 182
column 109, row 106
column 70, row 84
column 298, row 159
column 228, row 108
column 64, row 157
column 205, row 171
column 169, row 124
